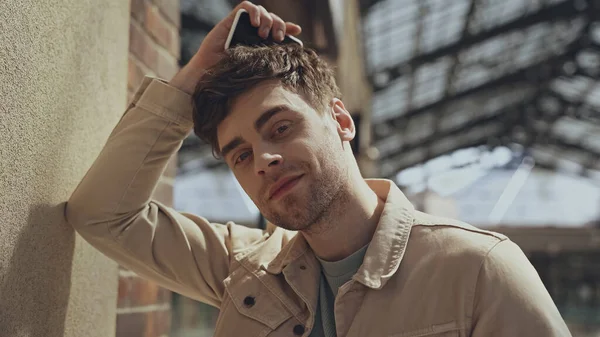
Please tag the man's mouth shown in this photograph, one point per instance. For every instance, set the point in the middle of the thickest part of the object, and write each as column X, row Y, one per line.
column 284, row 185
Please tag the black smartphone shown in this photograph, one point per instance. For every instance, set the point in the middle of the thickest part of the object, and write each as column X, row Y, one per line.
column 243, row 33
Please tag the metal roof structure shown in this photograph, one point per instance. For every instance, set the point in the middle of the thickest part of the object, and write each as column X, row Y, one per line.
column 449, row 75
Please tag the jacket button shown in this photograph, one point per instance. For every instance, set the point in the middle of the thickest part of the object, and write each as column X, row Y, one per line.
column 299, row 330
column 249, row 301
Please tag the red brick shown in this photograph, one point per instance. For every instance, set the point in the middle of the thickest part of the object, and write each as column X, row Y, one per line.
column 138, row 10
column 164, row 32
column 135, row 73
column 143, row 292
column 161, row 322
column 163, row 296
column 137, row 43
column 166, row 66
column 132, row 324
column 135, row 292
column 143, row 324
column 170, row 8
column 124, row 292
column 149, row 328
column 142, row 46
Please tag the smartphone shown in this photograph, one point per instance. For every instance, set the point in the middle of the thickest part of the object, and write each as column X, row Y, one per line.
column 243, row 33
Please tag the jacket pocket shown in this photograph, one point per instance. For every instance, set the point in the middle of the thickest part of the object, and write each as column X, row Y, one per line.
column 252, row 299
column 233, row 323
column 450, row 329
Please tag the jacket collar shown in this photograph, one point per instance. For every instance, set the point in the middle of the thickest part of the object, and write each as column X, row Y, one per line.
column 385, row 251
column 387, row 247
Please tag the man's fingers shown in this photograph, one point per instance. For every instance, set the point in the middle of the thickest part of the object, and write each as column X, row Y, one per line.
column 278, row 29
column 252, row 10
column 266, row 22
column 292, row 29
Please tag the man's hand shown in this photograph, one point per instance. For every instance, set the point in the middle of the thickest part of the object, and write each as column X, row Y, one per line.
column 211, row 49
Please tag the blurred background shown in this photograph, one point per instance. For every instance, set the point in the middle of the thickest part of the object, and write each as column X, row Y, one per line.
column 483, row 110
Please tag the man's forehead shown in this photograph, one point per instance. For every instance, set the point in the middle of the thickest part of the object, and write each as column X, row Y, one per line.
column 263, row 96
column 247, row 107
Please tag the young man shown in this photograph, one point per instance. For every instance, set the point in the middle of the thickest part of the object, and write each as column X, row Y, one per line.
column 364, row 262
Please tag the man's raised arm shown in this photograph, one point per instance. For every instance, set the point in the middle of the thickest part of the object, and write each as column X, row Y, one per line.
column 112, row 206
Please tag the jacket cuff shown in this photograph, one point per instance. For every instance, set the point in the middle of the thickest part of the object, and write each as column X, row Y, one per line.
column 158, row 97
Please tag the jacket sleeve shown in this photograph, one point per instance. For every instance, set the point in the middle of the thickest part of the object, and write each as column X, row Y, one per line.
column 511, row 300
column 112, row 207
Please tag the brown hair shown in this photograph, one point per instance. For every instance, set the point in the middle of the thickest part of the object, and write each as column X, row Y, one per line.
column 299, row 69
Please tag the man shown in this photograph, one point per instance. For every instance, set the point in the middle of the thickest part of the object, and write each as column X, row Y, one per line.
column 364, row 262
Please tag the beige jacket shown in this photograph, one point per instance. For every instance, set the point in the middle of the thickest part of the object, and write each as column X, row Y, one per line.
column 422, row 275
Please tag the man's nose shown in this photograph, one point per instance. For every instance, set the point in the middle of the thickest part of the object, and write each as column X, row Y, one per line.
column 267, row 162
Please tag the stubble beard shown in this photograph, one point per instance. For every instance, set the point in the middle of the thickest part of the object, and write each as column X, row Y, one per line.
column 306, row 208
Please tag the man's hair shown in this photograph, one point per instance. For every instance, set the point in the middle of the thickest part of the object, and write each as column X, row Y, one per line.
column 299, row 70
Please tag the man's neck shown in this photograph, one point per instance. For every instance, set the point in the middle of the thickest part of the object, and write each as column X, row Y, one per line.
column 348, row 226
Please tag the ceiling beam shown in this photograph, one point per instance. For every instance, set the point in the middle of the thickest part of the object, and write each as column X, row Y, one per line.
column 398, row 161
column 544, row 71
column 591, row 163
column 552, row 165
column 449, row 85
column 577, row 108
column 592, row 156
column 390, row 172
column 505, row 115
column 558, row 12
column 418, row 40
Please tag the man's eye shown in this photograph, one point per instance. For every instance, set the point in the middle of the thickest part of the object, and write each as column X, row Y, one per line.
column 281, row 129
column 242, row 157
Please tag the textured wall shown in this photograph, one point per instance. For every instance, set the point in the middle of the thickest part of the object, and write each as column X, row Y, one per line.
column 63, row 73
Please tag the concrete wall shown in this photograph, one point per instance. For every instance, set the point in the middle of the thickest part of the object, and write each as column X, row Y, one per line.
column 63, row 85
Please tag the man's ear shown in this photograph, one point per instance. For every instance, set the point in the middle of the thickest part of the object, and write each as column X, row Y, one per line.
column 345, row 123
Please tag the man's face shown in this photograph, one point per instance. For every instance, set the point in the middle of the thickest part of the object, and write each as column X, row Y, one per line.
column 288, row 157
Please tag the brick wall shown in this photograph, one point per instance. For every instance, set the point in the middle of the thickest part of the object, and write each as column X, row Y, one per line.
column 154, row 43
column 144, row 309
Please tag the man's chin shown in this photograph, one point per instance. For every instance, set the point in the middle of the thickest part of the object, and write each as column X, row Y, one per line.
column 292, row 203
column 292, row 226
column 290, row 220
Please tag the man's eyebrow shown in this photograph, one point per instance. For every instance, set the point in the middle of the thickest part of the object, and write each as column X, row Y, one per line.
column 264, row 118
column 258, row 124
column 237, row 141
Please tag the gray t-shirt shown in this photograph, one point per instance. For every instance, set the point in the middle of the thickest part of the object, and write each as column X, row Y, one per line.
column 333, row 276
